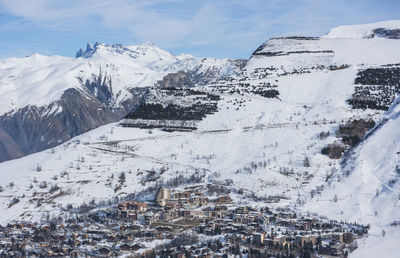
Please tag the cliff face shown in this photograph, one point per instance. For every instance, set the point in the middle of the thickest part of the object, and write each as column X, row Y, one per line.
column 176, row 80
column 34, row 129
column 9, row 149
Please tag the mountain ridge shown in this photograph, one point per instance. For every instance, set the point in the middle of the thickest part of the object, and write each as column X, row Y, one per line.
column 385, row 29
column 111, row 76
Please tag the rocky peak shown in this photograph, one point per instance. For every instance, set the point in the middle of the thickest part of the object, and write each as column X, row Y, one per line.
column 89, row 50
column 79, row 53
column 89, row 47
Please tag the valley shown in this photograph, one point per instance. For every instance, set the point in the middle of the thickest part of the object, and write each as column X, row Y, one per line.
column 308, row 127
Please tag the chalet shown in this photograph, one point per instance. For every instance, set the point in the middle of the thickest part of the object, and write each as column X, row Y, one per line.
column 242, row 210
column 182, row 195
column 286, row 222
column 190, row 204
column 237, row 219
column 217, row 214
column 76, row 253
column 171, row 204
column 337, row 249
column 184, row 213
column 302, row 225
column 149, row 218
column 136, row 206
column 308, row 239
column 338, row 236
column 284, row 215
column 223, row 199
column 220, row 207
column 258, row 239
column 348, row 238
column 227, row 230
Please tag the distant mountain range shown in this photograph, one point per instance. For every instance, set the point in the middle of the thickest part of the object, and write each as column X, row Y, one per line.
column 47, row 100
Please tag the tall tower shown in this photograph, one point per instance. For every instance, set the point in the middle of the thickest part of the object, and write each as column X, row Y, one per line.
column 162, row 196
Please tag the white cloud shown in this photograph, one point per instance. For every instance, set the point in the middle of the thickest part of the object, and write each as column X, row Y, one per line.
column 174, row 23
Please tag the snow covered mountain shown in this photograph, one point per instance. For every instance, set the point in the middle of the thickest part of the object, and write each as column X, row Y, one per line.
column 387, row 29
column 367, row 189
column 46, row 100
column 308, row 123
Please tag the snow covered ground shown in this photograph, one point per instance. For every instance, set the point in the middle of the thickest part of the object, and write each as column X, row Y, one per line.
column 371, row 193
column 362, row 30
column 257, row 144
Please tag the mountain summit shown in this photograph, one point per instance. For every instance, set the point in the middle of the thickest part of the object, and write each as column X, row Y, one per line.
column 108, row 81
column 387, row 29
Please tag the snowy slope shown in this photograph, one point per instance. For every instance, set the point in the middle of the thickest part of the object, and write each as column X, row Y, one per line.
column 323, row 52
column 44, row 97
column 371, row 192
column 40, row 80
column 269, row 122
column 388, row 29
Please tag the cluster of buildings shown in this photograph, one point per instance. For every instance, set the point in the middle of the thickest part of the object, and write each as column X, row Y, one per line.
column 217, row 228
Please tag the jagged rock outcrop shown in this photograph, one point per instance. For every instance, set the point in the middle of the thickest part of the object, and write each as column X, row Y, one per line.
column 176, row 80
column 79, row 53
column 387, row 33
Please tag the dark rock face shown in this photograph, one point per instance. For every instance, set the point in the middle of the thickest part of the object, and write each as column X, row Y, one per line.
column 79, row 53
column 34, row 129
column 9, row 149
column 176, row 80
column 203, row 77
column 100, row 87
column 387, row 33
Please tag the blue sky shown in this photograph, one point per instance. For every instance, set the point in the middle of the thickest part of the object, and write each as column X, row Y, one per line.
column 216, row 28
